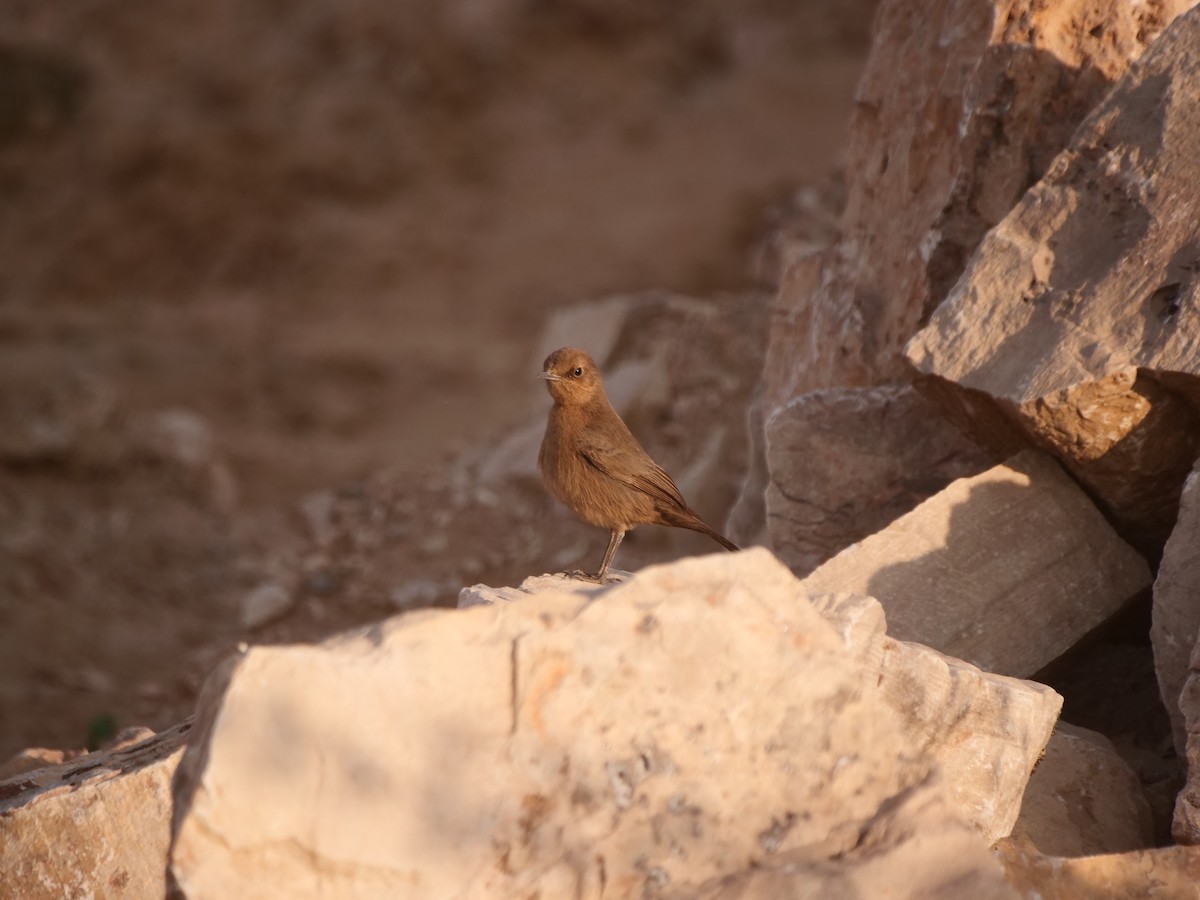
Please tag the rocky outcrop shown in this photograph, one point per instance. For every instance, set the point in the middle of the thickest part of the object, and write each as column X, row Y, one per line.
column 677, row 728
column 963, row 105
column 1005, row 570
column 97, row 826
column 852, row 460
column 914, row 851
column 1186, row 823
column 1083, row 799
column 1170, row 872
column 986, row 732
column 1074, row 326
column 1176, row 617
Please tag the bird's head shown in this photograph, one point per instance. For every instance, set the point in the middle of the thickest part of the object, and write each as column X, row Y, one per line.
column 571, row 376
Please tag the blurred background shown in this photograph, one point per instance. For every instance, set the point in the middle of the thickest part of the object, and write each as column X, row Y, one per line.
column 253, row 250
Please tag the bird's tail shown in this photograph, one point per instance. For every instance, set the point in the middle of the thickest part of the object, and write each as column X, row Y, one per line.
column 720, row 539
column 695, row 523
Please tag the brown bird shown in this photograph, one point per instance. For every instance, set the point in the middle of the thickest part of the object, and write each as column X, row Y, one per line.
column 592, row 462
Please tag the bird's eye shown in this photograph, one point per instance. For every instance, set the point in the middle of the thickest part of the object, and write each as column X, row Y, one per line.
column 578, row 371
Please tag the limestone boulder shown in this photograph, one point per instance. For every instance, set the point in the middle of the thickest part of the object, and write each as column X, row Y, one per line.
column 849, row 461
column 1005, row 570
column 1167, row 872
column 1083, row 799
column 1176, row 617
column 697, row 720
column 985, row 731
column 96, row 826
column 1074, row 326
column 914, row 851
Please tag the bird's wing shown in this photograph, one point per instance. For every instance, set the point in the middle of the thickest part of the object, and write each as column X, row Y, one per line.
column 632, row 466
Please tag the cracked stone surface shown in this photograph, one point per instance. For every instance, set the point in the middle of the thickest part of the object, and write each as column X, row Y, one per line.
column 1075, row 325
column 701, row 718
column 97, row 826
column 892, row 860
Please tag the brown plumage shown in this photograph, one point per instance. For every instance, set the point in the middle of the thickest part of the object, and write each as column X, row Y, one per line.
column 592, row 462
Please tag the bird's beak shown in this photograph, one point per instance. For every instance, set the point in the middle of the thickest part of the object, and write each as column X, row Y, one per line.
column 549, row 376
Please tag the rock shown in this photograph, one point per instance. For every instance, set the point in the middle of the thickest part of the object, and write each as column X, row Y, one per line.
column 1171, row 873
column 852, row 460
column 55, row 414
column 951, row 710
column 34, row 758
column 747, row 523
column 265, row 603
column 916, row 850
column 1073, row 327
column 703, row 716
column 181, row 436
column 515, row 457
column 1176, row 617
column 1185, row 826
column 803, row 224
column 1083, row 799
column 985, row 731
column 415, row 594
column 129, row 736
column 594, row 327
column 962, row 105
column 1005, row 570
column 484, row 595
column 97, row 826
column 318, row 510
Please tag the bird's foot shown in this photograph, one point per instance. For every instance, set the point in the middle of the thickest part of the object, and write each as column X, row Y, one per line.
column 580, row 575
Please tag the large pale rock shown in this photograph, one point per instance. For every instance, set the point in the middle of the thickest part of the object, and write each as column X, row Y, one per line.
column 852, row 460
column 1074, row 327
column 1083, row 799
column 1176, row 617
column 1170, row 873
column 985, row 731
column 692, row 722
column 914, row 851
column 97, row 826
column 1005, row 570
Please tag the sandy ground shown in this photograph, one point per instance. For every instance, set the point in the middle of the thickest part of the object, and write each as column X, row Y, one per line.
column 251, row 253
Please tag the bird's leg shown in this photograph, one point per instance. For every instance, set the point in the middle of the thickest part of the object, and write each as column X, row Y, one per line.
column 618, row 534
